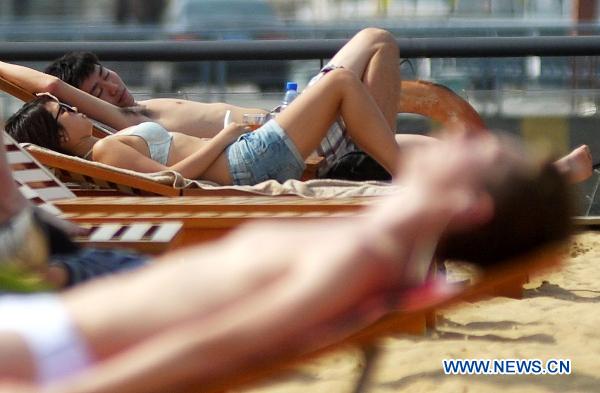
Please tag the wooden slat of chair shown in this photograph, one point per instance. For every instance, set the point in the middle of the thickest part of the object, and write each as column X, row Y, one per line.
column 33, row 197
column 203, row 226
column 151, row 238
column 198, row 204
column 28, row 172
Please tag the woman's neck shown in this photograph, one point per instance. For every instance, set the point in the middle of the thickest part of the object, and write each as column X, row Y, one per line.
column 84, row 147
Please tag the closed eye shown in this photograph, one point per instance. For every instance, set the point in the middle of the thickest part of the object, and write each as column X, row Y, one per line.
column 97, row 91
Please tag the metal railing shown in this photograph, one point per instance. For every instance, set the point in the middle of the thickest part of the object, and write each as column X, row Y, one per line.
column 303, row 49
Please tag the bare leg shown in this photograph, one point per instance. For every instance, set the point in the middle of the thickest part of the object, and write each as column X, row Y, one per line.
column 373, row 56
column 307, row 119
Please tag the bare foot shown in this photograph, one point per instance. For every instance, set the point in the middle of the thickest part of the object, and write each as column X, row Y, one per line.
column 577, row 165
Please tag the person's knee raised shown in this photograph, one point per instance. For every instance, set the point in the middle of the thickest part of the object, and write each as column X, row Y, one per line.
column 341, row 79
column 378, row 37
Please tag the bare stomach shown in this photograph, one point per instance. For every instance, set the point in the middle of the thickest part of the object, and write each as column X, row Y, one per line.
column 184, row 146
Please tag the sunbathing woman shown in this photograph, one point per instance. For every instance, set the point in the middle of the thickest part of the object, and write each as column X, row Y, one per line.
column 234, row 156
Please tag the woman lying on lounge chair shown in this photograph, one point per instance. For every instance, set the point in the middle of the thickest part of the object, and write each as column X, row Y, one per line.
column 234, row 156
column 187, row 321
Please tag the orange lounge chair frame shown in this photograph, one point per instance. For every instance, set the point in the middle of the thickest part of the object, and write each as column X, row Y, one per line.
column 440, row 104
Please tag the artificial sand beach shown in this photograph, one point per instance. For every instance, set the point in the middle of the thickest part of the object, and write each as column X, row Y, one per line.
column 558, row 317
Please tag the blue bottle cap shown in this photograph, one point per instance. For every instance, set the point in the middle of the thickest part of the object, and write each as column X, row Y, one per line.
column 291, row 86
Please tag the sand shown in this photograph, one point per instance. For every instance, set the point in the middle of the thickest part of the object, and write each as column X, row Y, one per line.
column 559, row 317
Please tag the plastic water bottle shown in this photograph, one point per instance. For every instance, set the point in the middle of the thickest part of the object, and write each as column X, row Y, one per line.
column 291, row 92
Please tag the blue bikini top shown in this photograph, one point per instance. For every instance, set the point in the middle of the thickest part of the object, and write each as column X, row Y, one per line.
column 157, row 138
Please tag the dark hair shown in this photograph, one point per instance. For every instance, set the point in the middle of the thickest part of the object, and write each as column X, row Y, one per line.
column 533, row 207
column 74, row 67
column 33, row 123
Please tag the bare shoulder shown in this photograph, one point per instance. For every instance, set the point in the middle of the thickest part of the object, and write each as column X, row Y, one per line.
column 125, row 152
column 104, row 146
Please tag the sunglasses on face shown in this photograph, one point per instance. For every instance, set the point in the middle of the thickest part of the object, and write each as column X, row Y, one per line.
column 62, row 108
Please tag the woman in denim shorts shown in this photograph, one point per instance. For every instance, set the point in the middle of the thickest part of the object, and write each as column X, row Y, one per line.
column 277, row 150
column 236, row 155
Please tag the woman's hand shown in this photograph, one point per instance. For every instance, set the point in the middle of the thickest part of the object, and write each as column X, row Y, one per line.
column 233, row 131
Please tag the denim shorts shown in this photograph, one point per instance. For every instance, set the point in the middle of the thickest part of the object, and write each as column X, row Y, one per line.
column 265, row 154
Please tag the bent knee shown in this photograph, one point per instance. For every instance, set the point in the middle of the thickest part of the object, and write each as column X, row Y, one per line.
column 378, row 37
column 342, row 77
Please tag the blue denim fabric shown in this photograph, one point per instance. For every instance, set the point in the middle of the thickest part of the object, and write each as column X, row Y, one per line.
column 89, row 263
column 265, row 154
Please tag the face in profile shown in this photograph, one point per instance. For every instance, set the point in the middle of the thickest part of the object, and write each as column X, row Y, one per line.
column 75, row 126
column 106, row 84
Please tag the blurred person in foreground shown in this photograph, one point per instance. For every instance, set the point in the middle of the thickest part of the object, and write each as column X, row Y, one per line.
column 211, row 311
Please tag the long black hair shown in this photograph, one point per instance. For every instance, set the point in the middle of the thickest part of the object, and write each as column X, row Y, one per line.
column 33, row 123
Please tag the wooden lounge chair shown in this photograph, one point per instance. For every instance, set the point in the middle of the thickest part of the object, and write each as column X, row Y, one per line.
column 365, row 328
column 42, row 189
